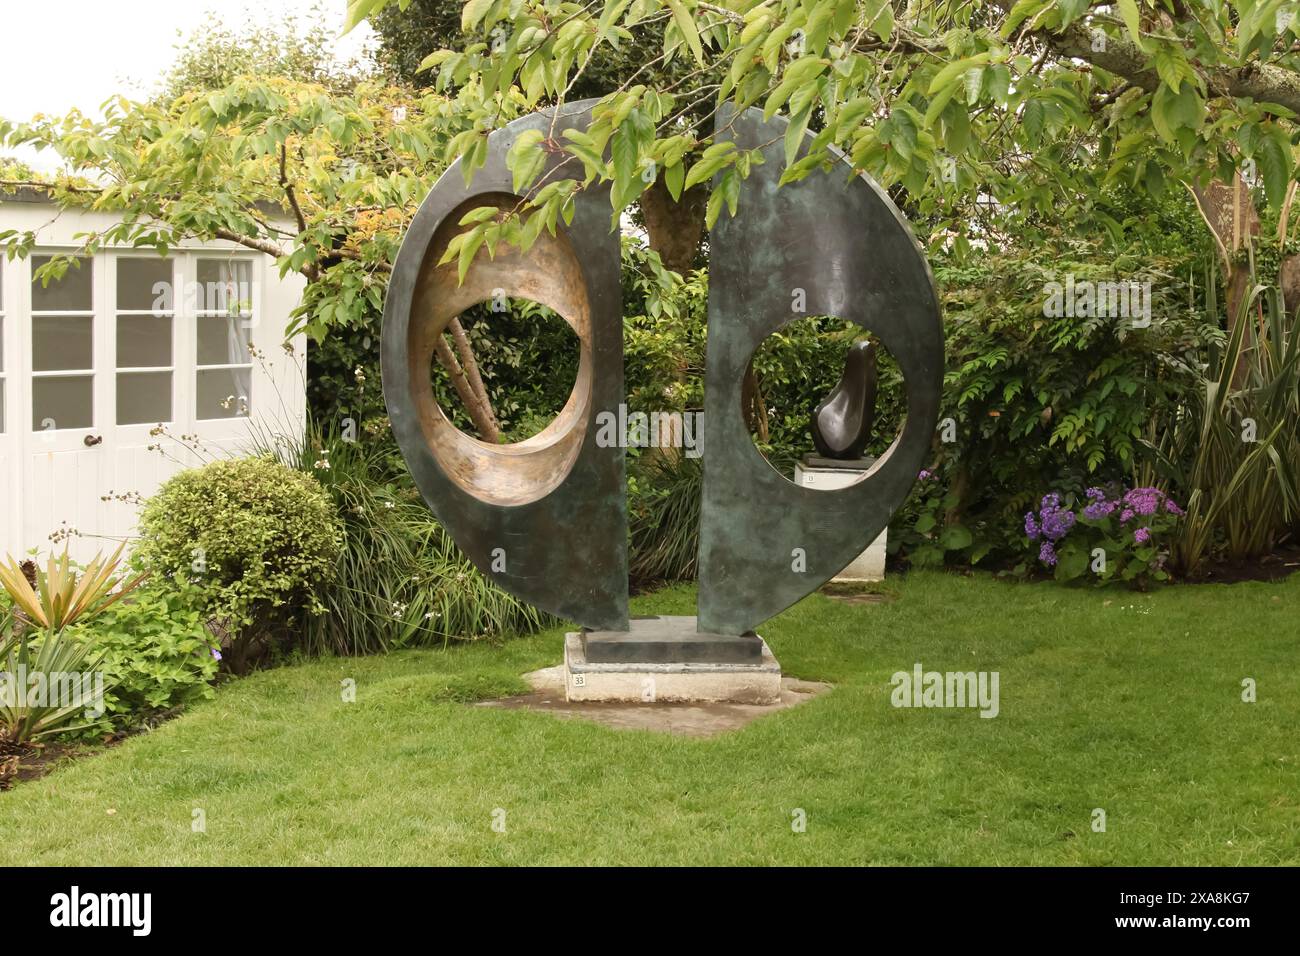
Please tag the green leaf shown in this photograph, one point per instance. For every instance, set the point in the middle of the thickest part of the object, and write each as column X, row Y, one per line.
column 1172, row 111
column 1070, row 564
column 880, row 17
column 794, row 133
column 955, row 537
column 525, row 157
column 1172, row 66
column 474, row 11
column 1274, row 156
column 1033, row 118
column 851, row 114
column 1128, row 9
column 359, row 10
column 686, row 24
column 674, row 176
column 469, row 245
column 952, row 71
column 938, row 104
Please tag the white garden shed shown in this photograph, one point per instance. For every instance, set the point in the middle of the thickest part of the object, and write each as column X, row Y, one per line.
column 128, row 369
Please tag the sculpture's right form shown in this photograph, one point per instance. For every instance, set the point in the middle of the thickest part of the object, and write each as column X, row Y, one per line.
column 833, row 244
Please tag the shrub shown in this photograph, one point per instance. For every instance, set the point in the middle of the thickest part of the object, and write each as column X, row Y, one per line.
column 664, row 495
column 55, row 655
column 157, row 655
column 44, row 645
column 1233, row 449
column 256, row 538
column 1119, row 535
column 398, row 579
column 1037, row 404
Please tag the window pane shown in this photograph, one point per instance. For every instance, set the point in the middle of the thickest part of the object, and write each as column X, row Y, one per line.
column 222, row 340
column 144, row 341
column 62, row 342
column 72, row 293
column 144, row 285
column 225, row 285
column 64, row 402
column 224, row 393
column 144, row 398
column 2, row 406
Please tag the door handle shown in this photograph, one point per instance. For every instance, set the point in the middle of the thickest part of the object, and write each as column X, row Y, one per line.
column 91, row 441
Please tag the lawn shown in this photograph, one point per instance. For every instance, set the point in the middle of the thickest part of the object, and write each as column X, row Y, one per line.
column 1126, row 702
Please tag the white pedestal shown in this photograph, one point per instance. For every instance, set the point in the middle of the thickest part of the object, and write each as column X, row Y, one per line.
column 870, row 564
column 757, row 683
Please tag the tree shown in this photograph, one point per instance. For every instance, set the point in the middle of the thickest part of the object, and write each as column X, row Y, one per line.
column 346, row 172
column 983, row 118
column 674, row 228
column 295, row 48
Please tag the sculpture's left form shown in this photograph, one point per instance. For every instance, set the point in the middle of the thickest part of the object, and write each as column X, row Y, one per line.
column 545, row 518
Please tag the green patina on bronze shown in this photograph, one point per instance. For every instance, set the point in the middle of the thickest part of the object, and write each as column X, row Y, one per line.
column 837, row 237
column 547, row 519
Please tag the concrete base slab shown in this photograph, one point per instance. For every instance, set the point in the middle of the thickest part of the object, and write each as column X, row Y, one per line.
column 651, row 682
column 687, row 720
column 825, row 474
column 669, row 639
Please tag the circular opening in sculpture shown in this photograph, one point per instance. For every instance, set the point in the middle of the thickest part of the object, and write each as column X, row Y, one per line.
column 824, row 401
column 508, row 372
column 532, row 457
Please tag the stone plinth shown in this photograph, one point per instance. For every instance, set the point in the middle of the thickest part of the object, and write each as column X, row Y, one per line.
column 828, row 474
column 663, row 660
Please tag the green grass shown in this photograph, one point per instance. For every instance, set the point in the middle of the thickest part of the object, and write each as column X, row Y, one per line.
column 1131, row 703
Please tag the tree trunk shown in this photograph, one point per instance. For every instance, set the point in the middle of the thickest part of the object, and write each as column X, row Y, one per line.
column 674, row 228
column 470, row 364
column 480, row 414
column 1231, row 216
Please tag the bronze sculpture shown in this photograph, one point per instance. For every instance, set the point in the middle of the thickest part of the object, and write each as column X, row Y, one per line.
column 546, row 518
column 842, row 422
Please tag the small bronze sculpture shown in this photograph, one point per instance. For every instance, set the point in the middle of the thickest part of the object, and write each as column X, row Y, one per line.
column 842, row 423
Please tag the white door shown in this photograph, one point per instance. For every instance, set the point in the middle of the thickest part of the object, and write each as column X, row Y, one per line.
column 65, row 408
column 10, row 515
column 138, row 366
column 144, row 352
column 226, row 308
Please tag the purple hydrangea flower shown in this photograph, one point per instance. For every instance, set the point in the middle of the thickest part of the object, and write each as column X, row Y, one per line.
column 1172, row 508
column 923, row 474
column 1099, row 509
column 1047, row 554
column 1031, row 527
column 1057, row 523
column 1144, row 501
column 1126, row 515
column 1142, row 535
column 216, row 653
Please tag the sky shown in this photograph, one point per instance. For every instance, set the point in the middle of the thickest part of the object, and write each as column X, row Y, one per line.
column 61, row 54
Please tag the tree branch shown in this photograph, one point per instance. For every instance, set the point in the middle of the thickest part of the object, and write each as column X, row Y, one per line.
column 1261, row 82
column 250, row 242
